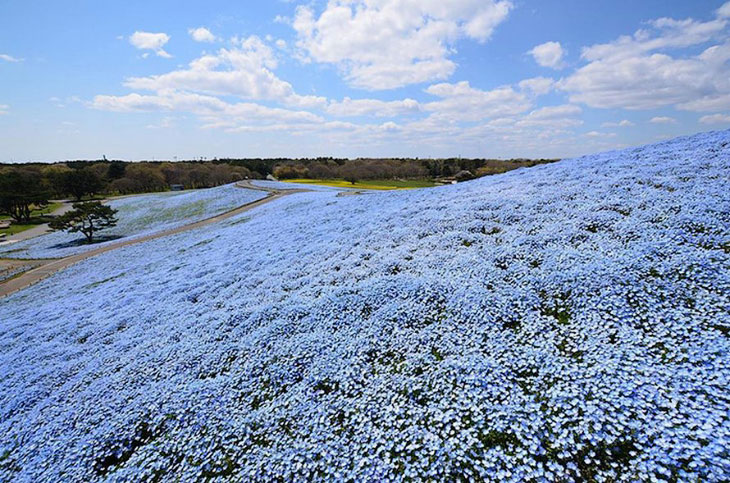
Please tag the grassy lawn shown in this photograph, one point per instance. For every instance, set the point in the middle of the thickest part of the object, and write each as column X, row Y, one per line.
column 37, row 217
column 15, row 229
column 376, row 184
column 47, row 210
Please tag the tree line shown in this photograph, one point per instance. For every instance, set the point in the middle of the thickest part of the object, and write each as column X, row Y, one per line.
column 23, row 186
column 27, row 186
column 394, row 168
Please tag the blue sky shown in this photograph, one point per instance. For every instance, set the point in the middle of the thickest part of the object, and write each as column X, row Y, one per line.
column 428, row 78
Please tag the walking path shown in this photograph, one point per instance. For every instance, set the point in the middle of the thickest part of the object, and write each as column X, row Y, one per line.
column 49, row 267
column 36, row 230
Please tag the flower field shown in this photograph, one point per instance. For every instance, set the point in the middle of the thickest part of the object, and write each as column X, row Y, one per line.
column 139, row 216
column 567, row 322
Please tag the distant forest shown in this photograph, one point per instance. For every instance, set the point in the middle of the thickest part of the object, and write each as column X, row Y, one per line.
column 85, row 178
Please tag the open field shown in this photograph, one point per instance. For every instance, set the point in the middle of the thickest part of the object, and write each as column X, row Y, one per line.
column 381, row 184
column 568, row 320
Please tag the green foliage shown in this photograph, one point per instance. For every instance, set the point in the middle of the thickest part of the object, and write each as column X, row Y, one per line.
column 88, row 218
column 382, row 169
column 81, row 182
column 378, row 184
column 82, row 179
column 20, row 191
column 116, row 170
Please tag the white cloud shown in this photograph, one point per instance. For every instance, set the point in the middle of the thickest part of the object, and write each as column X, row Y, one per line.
column 665, row 33
column 549, row 54
column 724, row 11
column 150, row 41
column 329, row 129
column 9, row 58
column 372, row 107
column 716, row 118
column 623, row 123
column 707, row 103
column 460, row 102
column 563, row 116
column 202, row 34
column 4, row 109
column 538, row 86
column 385, row 44
column 597, row 134
column 663, row 120
column 208, row 108
column 245, row 70
column 553, row 112
column 630, row 73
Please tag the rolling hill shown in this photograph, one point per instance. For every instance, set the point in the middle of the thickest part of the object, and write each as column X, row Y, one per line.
column 138, row 216
column 563, row 322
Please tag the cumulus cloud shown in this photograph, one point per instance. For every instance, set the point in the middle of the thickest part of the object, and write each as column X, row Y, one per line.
column 462, row 102
column 636, row 72
column 389, row 126
column 209, row 108
column 385, row 44
column 549, row 54
column 245, row 70
column 201, row 34
column 372, row 107
column 150, row 41
column 663, row 120
column 553, row 116
column 598, row 134
column 715, row 118
column 622, row 123
column 9, row 58
column 679, row 63
column 537, row 86
column 724, row 11
column 4, row 109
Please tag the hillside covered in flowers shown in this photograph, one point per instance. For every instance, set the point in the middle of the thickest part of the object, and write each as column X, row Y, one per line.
column 567, row 322
column 139, row 216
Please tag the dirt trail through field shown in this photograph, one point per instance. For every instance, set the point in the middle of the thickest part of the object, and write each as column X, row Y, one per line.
column 49, row 267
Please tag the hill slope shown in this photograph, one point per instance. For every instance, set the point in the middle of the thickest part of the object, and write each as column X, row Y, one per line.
column 567, row 321
column 139, row 215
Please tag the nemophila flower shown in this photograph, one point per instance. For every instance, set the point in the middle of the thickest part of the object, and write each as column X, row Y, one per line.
column 139, row 216
column 580, row 334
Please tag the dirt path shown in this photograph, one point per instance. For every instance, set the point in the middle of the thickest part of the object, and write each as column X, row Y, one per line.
column 50, row 267
column 36, row 230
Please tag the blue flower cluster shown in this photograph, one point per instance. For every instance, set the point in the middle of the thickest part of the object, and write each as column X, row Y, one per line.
column 139, row 216
column 567, row 322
